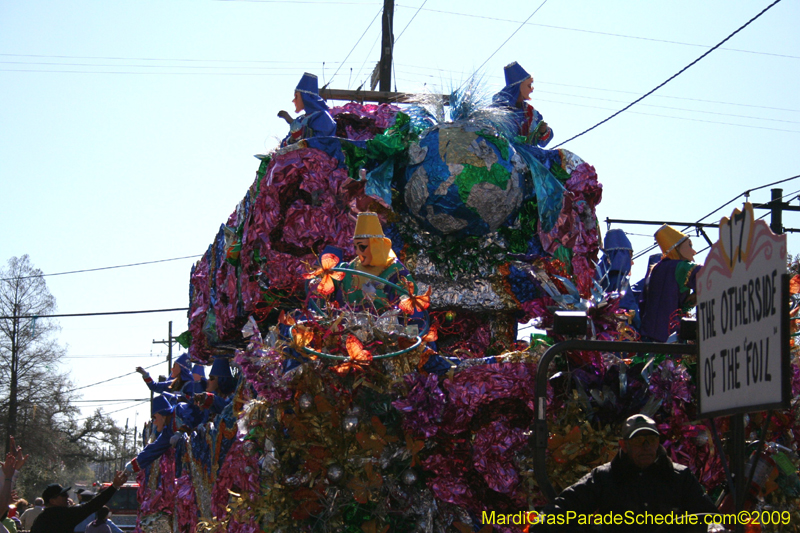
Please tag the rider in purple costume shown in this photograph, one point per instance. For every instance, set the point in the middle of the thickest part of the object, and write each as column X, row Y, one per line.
column 669, row 289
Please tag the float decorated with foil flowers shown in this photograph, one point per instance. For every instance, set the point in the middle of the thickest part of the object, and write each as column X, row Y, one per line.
column 369, row 289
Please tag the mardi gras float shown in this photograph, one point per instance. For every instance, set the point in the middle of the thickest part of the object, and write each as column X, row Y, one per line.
column 369, row 288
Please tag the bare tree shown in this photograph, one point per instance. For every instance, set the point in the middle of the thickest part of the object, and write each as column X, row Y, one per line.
column 36, row 398
column 27, row 348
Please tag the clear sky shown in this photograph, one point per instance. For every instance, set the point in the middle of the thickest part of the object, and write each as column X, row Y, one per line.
column 129, row 128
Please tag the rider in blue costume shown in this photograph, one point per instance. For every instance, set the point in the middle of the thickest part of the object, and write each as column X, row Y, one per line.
column 180, row 377
column 317, row 121
column 162, row 409
column 529, row 135
column 614, row 269
column 199, row 381
column 220, row 388
column 529, row 122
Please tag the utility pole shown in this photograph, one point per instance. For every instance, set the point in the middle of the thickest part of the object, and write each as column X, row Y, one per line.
column 387, row 45
column 777, row 206
column 124, row 446
column 169, row 342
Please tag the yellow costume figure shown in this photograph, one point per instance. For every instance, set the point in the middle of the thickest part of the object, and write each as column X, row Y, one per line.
column 376, row 257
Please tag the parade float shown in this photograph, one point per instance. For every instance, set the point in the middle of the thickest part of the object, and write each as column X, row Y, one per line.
column 405, row 403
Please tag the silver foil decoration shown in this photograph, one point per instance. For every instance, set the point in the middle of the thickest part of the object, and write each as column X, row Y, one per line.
column 335, row 473
column 350, row 423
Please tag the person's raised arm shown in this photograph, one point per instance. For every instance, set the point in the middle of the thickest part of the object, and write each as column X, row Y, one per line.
column 9, row 467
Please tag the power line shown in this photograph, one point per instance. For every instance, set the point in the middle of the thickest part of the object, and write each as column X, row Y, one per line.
column 112, row 400
column 104, row 268
column 675, row 108
column 354, row 46
column 673, row 76
column 288, row 62
column 126, row 408
column 544, row 82
column 745, row 193
column 410, row 21
column 670, row 116
column 107, row 313
column 609, row 34
column 509, row 37
column 112, row 379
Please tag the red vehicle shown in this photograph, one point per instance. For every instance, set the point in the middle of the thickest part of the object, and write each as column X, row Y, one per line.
column 124, row 506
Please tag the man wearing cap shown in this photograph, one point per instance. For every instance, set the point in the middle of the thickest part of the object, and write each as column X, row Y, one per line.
column 58, row 517
column 639, row 479
column 518, row 89
column 669, row 289
column 317, row 121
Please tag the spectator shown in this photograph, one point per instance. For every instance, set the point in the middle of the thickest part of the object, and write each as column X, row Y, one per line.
column 11, row 466
column 83, row 497
column 640, row 478
column 57, row 517
column 30, row 515
column 21, row 505
column 9, row 523
column 103, row 524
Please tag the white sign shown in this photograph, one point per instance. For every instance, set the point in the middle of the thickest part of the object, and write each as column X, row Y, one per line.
column 742, row 319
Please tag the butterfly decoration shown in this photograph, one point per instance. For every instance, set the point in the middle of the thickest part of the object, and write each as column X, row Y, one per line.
column 327, row 263
column 376, row 441
column 362, row 487
column 372, row 527
column 432, row 334
column 302, row 336
column 358, row 357
column 414, row 302
column 414, row 447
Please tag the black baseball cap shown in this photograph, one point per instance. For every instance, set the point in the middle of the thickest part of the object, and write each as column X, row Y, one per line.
column 639, row 424
column 53, row 490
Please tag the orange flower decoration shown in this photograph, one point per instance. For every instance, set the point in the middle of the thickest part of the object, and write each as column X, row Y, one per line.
column 327, row 262
column 359, row 357
column 414, row 302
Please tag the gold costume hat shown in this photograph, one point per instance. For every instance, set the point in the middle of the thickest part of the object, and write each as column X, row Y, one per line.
column 368, row 226
column 668, row 239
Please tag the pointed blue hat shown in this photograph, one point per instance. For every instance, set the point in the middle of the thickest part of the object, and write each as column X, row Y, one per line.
column 200, row 370
column 221, row 368
column 164, row 404
column 618, row 249
column 515, row 74
column 308, row 84
column 309, row 92
column 185, row 365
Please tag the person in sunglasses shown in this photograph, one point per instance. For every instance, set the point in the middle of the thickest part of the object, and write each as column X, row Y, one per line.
column 640, row 479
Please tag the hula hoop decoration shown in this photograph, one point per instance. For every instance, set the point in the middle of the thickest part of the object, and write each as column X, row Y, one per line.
column 410, row 303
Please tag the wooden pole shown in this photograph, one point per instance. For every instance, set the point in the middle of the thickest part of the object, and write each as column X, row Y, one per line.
column 387, row 45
